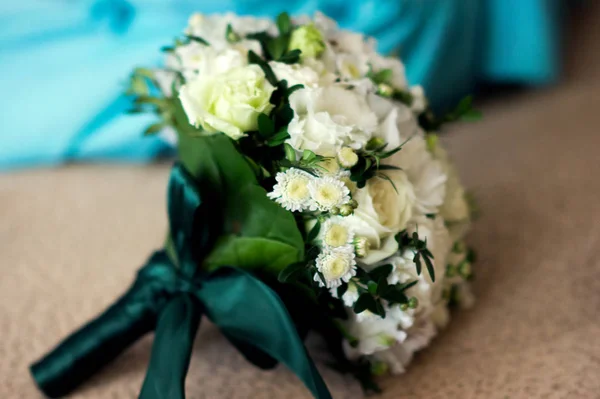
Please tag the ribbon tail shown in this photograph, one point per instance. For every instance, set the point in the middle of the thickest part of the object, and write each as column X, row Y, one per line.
column 247, row 310
column 100, row 341
column 171, row 350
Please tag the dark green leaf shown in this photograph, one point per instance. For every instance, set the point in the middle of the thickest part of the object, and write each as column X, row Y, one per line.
column 417, row 260
column 471, row 116
column 364, row 302
column 291, row 57
column 405, row 286
column 314, row 232
column 372, row 287
column 231, row 36
column 379, row 309
column 341, row 290
column 278, row 138
column 388, row 167
column 292, row 89
column 254, row 58
column 266, row 126
column 381, row 272
column 277, row 47
column 155, row 128
column 198, row 39
column 382, row 285
column 394, row 295
column 291, row 272
column 430, row 267
column 284, row 24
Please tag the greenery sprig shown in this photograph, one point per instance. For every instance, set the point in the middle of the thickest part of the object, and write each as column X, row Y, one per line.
column 419, row 248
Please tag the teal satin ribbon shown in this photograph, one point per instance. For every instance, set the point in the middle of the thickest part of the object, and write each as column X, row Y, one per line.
column 170, row 296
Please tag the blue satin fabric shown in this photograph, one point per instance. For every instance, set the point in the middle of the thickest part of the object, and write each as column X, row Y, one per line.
column 64, row 64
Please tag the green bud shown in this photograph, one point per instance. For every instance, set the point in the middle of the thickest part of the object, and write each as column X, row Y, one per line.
column 385, row 90
column 432, row 141
column 450, row 270
column 464, row 269
column 309, row 40
column 413, row 302
column 379, row 368
column 404, row 307
column 346, row 210
column 374, row 143
column 334, row 211
column 353, row 203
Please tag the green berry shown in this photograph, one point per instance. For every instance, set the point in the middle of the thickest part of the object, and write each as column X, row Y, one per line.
column 413, row 303
column 346, row 210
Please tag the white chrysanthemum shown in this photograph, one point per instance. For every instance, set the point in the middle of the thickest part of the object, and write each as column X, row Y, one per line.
column 336, row 266
column 328, row 192
column 336, row 232
column 291, row 190
column 361, row 246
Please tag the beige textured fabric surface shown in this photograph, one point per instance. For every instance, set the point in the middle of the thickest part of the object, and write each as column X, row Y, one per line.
column 72, row 238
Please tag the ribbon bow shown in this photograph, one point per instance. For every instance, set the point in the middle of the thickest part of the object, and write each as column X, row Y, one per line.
column 170, row 296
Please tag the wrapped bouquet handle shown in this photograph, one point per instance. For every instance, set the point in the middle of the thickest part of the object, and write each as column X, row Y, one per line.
column 170, row 296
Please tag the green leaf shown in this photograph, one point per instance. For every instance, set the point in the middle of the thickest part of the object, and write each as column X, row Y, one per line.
column 341, row 290
column 266, row 126
column 231, row 36
column 417, row 260
column 290, row 152
column 379, row 309
column 382, row 286
column 314, row 232
column 291, row 57
column 364, row 302
column 277, row 47
column 254, row 58
column 383, row 76
column 430, row 267
column 197, row 39
column 372, row 287
column 154, row 128
column 284, row 24
column 308, row 156
column 471, row 116
column 381, row 272
column 291, row 272
column 394, row 295
column 405, row 286
column 278, row 138
column 388, row 167
column 292, row 89
column 256, row 233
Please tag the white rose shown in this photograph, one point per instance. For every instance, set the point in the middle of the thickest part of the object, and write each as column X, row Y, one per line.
column 327, row 118
column 228, row 102
column 382, row 212
column 295, row 74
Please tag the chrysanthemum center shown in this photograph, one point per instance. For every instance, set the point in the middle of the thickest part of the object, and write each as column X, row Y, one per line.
column 297, row 189
column 336, row 236
column 335, row 268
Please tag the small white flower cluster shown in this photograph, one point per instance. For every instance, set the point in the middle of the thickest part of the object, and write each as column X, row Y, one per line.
column 352, row 104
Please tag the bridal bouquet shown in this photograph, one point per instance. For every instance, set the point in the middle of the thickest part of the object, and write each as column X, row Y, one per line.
column 311, row 194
